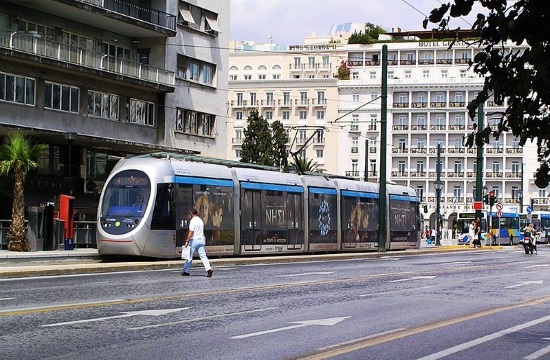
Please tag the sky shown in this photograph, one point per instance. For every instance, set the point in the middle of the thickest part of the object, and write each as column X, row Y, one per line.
column 287, row 22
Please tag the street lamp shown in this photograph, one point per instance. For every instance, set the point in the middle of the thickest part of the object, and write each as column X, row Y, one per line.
column 438, row 185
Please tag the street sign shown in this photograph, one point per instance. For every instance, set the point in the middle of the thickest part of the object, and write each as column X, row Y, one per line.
column 499, row 213
column 499, row 206
column 529, row 209
column 478, row 205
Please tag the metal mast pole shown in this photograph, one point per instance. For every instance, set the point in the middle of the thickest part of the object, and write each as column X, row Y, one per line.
column 383, row 153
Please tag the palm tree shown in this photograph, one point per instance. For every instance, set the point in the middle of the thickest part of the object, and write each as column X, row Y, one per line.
column 17, row 156
column 305, row 165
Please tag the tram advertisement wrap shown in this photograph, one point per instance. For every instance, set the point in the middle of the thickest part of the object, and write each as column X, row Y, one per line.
column 360, row 214
column 401, row 220
column 215, row 207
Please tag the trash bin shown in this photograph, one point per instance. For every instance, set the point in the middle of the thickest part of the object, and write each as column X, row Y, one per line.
column 69, row 244
column 59, row 234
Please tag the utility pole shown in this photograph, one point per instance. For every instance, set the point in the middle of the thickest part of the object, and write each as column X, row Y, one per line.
column 438, row 187
column 366, row 160
column 479, row 163
column 382, row 220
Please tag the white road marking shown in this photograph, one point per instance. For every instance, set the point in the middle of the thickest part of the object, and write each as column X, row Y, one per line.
column 299, row 324
column 198, row 319
column 538, row 354
column 461, row 262
column 3, row 299
column 60, row 305
column 311, row 273
column 396, row 291
column 536, row 266
column 390, row 258
column 124, row 315
column 538, row 282
column 412, row 278
column 40, row 277
column 484, row 339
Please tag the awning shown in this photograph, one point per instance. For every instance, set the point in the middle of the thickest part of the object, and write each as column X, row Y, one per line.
column 186, row 15
column 213, row 23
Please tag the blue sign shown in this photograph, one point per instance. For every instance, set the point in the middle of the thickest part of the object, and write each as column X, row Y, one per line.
column 529, row 209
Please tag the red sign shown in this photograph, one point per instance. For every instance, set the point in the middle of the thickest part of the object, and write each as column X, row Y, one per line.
column 478, row 205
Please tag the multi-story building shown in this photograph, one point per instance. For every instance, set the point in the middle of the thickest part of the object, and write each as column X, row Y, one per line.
column 429, row 87
column 96, row 80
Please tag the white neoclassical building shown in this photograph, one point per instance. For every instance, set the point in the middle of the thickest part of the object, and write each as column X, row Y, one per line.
column 429, row 87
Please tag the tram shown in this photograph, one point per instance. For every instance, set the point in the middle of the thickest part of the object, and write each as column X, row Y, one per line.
column 247, row 209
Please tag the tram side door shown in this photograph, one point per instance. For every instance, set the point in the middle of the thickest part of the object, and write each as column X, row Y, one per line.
column 251, row 220
column 295, row 224
column 183, row 204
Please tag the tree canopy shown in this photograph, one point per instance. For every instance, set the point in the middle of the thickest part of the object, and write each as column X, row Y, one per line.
column 519, row 80
column 370, row 36
column 264, row 144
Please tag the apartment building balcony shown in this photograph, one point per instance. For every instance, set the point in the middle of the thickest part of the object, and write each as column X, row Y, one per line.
column 433, row 150
column 354, row 149
column 438, row 127
column 512, row 175
column 471, row 174
column 419, row 127
column 425, row 62
column 118, row 16
column 456, row 104
column 399, row 174
column 498, row 150
column 470, row 127
column 417, row 174
column 372, row 128
column 494, row 175
column 399, row 150
column 461, row 61
column 541, row 201
column 354, row 129
column 284, row 103
column 401, row 105
column 236, row 141
column 418, row 150
column 514, row 150
column 267, row 103
column 48, row 53
column 393, row 62
column 457, row 127
column 455, row 174
column 493, row 104
column 444, row 61
column 352, row 63
column 251, row 104
column 419, row 105
column 354, row 174
column 407, row 62
column 512, row 201
column 319, row 141
column 400, row 127
column 319, row 103
column 456, row 150
column 238, row 103
column 301, row 103
column 436, row 104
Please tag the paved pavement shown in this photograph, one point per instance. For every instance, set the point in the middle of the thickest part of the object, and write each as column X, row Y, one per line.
column 77, row 261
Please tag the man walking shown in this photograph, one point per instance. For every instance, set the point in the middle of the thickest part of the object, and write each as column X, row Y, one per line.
column 197, row 241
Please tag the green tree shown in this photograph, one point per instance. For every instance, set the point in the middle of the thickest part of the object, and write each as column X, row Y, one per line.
column 280, row 139
column 370, row 36
column 257, row 144
column 517, row 79
column 17, row 157
column 264, row 144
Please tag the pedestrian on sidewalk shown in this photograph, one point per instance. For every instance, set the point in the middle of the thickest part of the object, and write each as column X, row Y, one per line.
column 197, row 241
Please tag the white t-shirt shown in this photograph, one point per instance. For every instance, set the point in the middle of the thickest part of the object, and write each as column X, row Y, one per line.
column 196, row 225
column 472, row 230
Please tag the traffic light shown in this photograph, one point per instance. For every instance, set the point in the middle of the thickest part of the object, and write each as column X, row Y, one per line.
column 491, row 198
column 486, row 199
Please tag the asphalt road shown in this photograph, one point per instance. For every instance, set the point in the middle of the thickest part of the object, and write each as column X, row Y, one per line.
column 465, row 305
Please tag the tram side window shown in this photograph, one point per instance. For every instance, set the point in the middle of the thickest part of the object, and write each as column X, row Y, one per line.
column 163, row 213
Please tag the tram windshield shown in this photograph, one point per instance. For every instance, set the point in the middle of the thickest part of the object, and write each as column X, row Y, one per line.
column 126, row 194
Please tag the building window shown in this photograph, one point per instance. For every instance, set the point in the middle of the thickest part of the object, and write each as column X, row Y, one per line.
column 355, row 97
column 458, row 166
column 269, row 115
column 239, row 115
column 401, row 167
column 195, row 70
column 372, row 75
column 142, row 112
column 320, row 115
column 407, row 74
column 61, row 97
column 193, row 122
column 354, row 166
column 354, row 122
column 426, row 74
column 286, row 98
column 285, row 115
column 238, row 153
column 355, row 75
column 319, row 153
column 17, row 89
column 302, row 114
column 103, row 105
column 302, row 136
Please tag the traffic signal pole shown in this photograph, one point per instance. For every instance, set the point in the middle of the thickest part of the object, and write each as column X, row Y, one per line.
column 479, row 163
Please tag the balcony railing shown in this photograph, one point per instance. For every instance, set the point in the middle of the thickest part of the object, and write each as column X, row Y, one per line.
column 81, row 57
column 136, row 11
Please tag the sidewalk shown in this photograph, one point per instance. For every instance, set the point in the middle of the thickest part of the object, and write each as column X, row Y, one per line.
column 79, row 261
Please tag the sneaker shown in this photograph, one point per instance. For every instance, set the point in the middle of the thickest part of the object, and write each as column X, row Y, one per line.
column 209, row 273
column 185, row 274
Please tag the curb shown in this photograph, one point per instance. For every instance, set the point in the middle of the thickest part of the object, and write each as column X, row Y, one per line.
column 45, row 269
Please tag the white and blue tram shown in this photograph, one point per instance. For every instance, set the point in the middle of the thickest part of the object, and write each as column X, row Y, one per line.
column 247, row 209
